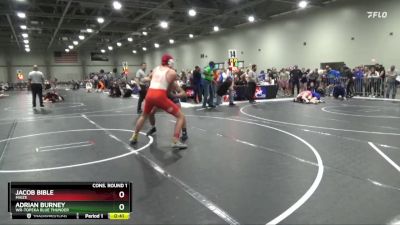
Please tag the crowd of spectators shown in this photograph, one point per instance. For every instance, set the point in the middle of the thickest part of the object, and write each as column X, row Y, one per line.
column 369, row 81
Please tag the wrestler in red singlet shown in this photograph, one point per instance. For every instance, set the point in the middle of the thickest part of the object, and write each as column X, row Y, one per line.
column 162, row 79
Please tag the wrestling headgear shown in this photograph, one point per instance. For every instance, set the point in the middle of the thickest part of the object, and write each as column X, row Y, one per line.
column 167, row 60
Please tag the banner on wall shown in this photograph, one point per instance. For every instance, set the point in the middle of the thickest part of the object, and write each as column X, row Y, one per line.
column 64, row 57
column 98, row 56
column 20, row 75
column 125, row 69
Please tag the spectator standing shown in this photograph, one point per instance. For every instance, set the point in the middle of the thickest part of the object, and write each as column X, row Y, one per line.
column 367, row 87
column 96, row 80
column 214, row 84
column 143, row 85
column 252, row 83
column 295, row 76
column 284, row 81
column 220, row 81
column 359, row 81
column 324, row 79
column 373, row 76
column 240, row 78
column 183, row 77
column 273, row 75
column 303, row 81
column 391, row 76
column 105, row 80
column 208, row 86
column 189, row 81
column 197, row 85
column 333, row 75
column 312, row 79
column 262, row 76
column 381, row 82
column 36, row 80
column 55, row 82
column 231, row 76
column 349, row 81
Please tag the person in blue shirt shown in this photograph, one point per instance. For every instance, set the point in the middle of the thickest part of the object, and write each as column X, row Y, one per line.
column 333, row 75
column 316, row 95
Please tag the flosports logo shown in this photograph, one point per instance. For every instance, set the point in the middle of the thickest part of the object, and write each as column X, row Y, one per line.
column 377, row 14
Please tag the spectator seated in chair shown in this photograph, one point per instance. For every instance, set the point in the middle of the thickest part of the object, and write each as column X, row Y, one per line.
column 126, row 90
column 135, row 87
column 89, row 86
column 75, row 85
column 47, row 85
column 115, row 91
column 4, row 86
column 101, row 86
column 2, row 89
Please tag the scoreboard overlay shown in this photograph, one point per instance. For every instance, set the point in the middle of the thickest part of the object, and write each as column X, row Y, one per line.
column 70, row 200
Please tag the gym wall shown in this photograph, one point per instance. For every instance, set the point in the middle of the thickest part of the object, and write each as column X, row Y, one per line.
column 279, row 42
column 3, row 67
column 12, row 61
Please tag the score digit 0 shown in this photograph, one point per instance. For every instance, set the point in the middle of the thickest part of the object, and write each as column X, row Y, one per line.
column 121, row 194
column 121, row 207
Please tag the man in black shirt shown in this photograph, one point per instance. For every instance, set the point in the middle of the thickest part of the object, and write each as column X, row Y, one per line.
column 350, row 81
column 381, row 84
column 295, row 76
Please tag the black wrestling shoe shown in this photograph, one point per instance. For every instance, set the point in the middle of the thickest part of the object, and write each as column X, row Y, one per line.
column 151, row 131
column 232, row 104
column 184, row 138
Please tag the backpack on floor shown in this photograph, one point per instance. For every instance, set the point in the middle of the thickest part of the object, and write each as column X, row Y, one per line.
column 127, row 93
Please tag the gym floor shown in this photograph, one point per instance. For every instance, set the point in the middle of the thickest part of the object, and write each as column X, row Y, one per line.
column 273, row 162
